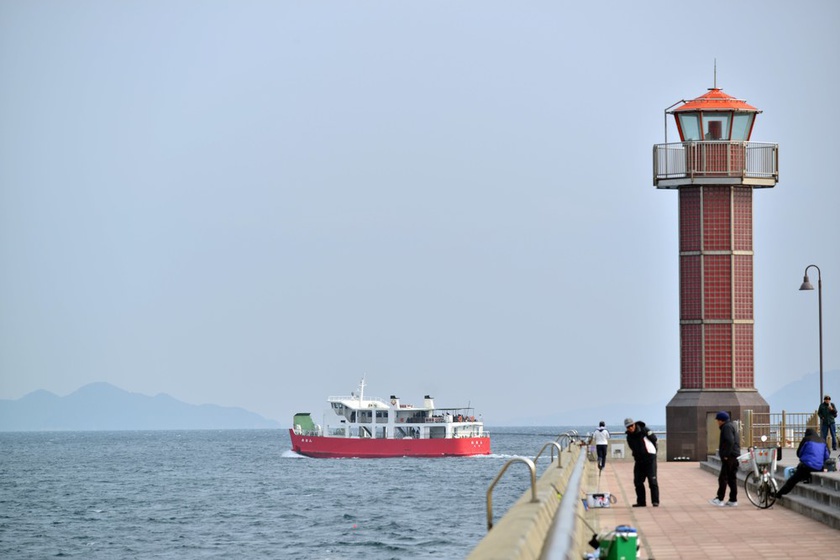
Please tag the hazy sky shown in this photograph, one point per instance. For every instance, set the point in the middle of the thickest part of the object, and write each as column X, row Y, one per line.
column 256, row 203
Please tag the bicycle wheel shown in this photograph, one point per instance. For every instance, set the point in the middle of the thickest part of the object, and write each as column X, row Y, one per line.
column 761, row 490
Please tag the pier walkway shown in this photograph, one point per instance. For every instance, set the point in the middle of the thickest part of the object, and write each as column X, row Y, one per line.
column 685, row 525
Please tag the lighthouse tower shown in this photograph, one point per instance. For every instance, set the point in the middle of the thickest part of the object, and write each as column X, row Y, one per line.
column 715, row 168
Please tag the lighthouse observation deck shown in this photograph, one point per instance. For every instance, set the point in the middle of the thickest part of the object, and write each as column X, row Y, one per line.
column 684, row 164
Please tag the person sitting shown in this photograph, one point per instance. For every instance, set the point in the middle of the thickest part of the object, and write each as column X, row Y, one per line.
column 812, row 453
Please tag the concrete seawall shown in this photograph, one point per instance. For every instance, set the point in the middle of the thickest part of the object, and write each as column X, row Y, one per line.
column 522, row 532
column 684, row 526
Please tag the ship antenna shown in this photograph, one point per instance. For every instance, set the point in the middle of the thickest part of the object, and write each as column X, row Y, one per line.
column 362, row 389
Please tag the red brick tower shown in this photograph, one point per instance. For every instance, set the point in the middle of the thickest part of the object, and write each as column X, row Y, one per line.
column 715, row 169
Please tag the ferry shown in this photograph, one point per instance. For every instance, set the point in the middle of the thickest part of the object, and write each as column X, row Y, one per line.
column 367, row 427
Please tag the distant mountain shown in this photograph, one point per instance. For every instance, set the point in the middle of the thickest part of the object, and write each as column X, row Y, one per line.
column 653, row 414
column 800, row 395
column 101, row 406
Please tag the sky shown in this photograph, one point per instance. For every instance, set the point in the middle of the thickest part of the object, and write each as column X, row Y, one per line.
column 256, row 204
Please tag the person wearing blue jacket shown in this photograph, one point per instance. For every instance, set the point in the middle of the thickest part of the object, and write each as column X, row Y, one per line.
column 812, row 453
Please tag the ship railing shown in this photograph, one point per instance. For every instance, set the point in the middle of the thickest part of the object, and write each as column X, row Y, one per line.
column 302, row 432
column 356, row 398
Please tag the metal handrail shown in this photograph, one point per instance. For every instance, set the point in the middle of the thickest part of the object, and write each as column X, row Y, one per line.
column 783, row 429
column 568, row 438
column 551, row 444
column 560, row 541
column 533, row 470
column 755, row 163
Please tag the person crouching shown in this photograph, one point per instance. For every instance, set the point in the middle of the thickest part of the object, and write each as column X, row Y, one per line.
column 642, row 442
column 812, row 453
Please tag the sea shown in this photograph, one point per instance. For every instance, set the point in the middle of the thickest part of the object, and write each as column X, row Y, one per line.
column 244, row 494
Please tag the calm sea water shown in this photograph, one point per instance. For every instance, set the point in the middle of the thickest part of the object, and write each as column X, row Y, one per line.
column 243, row 494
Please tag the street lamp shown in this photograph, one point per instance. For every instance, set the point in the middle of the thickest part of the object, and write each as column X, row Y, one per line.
column 806, row 285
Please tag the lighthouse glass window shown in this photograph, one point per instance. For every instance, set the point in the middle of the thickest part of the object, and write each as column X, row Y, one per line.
column 716, row 126
column 741, row 126
column 690, row 127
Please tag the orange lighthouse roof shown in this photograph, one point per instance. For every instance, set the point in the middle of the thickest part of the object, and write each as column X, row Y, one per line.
column 716, row 100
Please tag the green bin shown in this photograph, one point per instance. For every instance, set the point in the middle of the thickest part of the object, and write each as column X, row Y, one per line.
column 619, row 544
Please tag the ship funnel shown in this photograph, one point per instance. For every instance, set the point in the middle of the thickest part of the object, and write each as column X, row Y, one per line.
column 428, row 402
column 395, row 401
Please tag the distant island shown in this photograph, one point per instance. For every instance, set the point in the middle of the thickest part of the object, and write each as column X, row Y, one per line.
column 102, row 406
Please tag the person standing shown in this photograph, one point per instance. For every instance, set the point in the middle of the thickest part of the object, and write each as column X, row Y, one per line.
column 812, row 453
column 729, row 449
column 642, row 443
column 828, row 413
column 601, row 438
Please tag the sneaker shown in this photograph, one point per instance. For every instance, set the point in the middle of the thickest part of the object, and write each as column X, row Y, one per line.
column 730, row 503
column 655, row 504
column 639, row 505
column 716, row 502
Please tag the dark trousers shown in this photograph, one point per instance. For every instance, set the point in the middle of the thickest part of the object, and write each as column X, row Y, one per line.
column 601, row 450
column 825, row 429
column 801, row 473
column 643, row 470
column 728, row 477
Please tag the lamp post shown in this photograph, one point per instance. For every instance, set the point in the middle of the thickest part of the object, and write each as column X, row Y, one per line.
column 806, row 285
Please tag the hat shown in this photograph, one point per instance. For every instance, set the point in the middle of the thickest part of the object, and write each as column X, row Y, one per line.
column 628, row 422
column 826, row 397
column 722, row 416
column 601, row 423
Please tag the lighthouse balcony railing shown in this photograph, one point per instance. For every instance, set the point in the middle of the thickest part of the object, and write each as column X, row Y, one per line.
column 679, row 164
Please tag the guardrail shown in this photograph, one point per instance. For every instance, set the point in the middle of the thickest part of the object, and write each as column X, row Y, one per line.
column 532, row 468
column 783, row 429
column 525, row 529
column 748, row 163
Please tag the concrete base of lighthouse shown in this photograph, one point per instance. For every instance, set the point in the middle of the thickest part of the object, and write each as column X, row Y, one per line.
column 691, row 431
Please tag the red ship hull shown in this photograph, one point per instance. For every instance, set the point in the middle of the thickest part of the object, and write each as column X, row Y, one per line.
column 335, row 447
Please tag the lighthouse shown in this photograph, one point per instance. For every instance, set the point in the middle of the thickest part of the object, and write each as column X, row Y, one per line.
column 715, row 168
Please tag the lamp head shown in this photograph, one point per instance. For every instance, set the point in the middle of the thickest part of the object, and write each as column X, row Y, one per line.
column 806, row 284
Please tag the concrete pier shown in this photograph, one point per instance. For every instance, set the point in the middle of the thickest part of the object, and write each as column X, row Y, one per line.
column 685, row 525
column 803, row 525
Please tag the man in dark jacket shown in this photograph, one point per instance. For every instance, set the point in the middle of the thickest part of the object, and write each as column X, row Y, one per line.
column 729, row 449
column 827, row 413
column 812, row 453
column 642, row 442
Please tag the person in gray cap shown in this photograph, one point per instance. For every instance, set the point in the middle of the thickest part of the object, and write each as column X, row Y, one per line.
column 729, row 449
column 642, row 442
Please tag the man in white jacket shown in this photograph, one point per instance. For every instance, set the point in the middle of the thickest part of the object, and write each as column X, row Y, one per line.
column 601, row 438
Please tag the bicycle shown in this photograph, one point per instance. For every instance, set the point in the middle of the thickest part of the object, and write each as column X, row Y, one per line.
column 760, row 484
